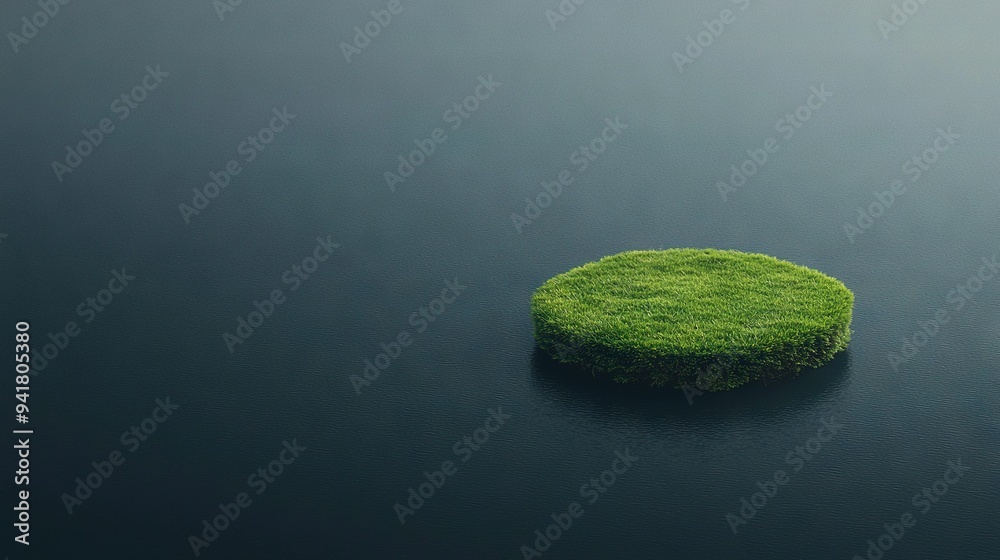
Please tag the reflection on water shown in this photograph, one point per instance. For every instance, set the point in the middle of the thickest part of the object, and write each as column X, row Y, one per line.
column 580, row 391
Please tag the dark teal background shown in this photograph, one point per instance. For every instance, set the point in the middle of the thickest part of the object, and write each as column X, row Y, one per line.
column 654, row 187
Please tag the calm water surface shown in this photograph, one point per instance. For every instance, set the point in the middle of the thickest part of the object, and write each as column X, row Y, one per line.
column 655, row 185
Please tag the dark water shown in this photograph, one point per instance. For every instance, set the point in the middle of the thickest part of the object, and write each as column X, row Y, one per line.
column 653, row 186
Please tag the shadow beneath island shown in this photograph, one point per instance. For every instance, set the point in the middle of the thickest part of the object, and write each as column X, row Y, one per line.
column 581, row 390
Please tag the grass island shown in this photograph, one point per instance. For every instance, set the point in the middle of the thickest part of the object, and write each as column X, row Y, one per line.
column 665, row 317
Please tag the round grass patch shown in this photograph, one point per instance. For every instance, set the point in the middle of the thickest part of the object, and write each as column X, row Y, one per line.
column 714, row 319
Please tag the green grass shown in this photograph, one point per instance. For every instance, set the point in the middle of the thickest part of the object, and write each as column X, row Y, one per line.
column 662, row 317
